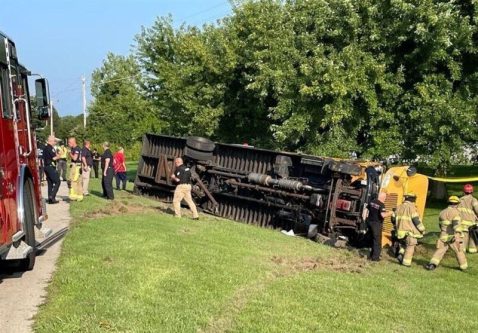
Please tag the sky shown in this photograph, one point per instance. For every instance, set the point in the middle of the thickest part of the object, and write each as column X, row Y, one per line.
column 65, row 39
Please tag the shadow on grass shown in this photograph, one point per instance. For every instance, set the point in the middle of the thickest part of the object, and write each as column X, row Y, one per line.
column 429, row 239
column 436, row 204
column 97, row 194
column 421, row 261
column 166, row 210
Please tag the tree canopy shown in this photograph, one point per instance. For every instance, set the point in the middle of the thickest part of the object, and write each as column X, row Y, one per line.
column 119, row 112
column 327, row 77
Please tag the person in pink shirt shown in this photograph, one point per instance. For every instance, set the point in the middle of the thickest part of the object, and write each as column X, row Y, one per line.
column 120, row 168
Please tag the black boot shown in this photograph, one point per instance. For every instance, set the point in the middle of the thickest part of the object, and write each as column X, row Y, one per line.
column 400, row 258
column 430, row 266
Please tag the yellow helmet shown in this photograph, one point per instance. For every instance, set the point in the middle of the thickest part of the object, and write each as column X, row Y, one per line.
column 453, row 199
column 410, row 195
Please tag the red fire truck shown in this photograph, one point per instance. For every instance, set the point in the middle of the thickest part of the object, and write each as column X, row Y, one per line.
column 22, row 209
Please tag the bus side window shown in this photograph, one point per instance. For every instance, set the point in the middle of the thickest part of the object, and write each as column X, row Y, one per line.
column 5, row 88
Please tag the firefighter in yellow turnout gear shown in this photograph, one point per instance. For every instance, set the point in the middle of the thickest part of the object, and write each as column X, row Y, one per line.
column 451, row 235
column 468, row 208
column 409, row 228
column 76, row 190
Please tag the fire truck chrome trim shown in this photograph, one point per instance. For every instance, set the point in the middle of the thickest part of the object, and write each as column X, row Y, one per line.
column 17, row 236
column 20, row 192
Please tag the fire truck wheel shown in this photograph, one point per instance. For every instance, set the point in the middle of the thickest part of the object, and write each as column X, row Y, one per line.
column 199, row 143
column 28, row 199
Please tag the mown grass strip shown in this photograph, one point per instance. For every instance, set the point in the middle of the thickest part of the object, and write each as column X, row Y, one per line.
column 127, row 266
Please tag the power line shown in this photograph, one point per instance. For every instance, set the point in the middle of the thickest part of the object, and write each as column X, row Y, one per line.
column 218, row 16
column 79, row 87
column 61, row 92
column 208, row 9
column 73, row 82
column 71, row 88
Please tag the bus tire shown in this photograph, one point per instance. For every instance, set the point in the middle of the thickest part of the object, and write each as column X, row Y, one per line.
column 197, row 155
column 200, row 144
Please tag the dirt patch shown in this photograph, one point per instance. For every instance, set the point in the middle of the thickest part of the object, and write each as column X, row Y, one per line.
column 119, row 208
column 425, row 250
column 290, row 266
column 283, row 267
column 108, row 259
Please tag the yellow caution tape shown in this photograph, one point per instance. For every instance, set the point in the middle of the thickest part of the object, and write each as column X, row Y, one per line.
column 455, row 180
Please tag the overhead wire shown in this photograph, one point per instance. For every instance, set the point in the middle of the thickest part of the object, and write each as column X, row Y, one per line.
column 206, row 10
column 71, row 88
column 61, row 92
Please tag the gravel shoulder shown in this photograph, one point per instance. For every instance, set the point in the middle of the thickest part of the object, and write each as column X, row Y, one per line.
column 22, row 293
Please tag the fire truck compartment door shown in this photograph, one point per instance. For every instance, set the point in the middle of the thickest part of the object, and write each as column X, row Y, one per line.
column 8, row 163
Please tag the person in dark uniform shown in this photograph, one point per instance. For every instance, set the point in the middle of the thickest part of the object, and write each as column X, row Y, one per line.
column 96, row 161
column 182, row 177
column 108, row 172
column 50, row 157
column 376, row 214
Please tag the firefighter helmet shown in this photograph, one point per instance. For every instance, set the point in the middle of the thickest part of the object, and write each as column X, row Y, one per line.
column 454, row 199
column 468, row 188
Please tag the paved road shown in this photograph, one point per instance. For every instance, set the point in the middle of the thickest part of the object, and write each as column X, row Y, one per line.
column 22, row 293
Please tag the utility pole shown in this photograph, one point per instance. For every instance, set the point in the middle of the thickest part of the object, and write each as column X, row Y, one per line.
column 83, row 84
column 51, row 117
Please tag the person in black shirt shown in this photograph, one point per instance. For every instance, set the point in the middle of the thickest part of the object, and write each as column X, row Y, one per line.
column 376, row 214
column 76, row 190
column 86, row 165
column 108, row 172
column 96, row 161
column 50, row 157
column 182, row 176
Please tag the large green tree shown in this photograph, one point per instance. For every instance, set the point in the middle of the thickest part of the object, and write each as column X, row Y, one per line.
column 326, row 77
column 187, row 71
column 119, row 113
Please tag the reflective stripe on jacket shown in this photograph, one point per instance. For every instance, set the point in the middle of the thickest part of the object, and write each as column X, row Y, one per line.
column 408, row 221
column 468, row 208
column 450, row 224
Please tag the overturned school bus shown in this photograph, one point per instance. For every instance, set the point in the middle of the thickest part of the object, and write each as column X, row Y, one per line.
column 312, row 195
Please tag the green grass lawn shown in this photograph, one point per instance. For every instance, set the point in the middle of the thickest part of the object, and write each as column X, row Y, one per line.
column 127, row 266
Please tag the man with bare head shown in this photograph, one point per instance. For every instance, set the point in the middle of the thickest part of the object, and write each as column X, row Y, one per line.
column 50, row 156
column 76, row 190
column 376, row 214
column 182, row 176
column 108, row 172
